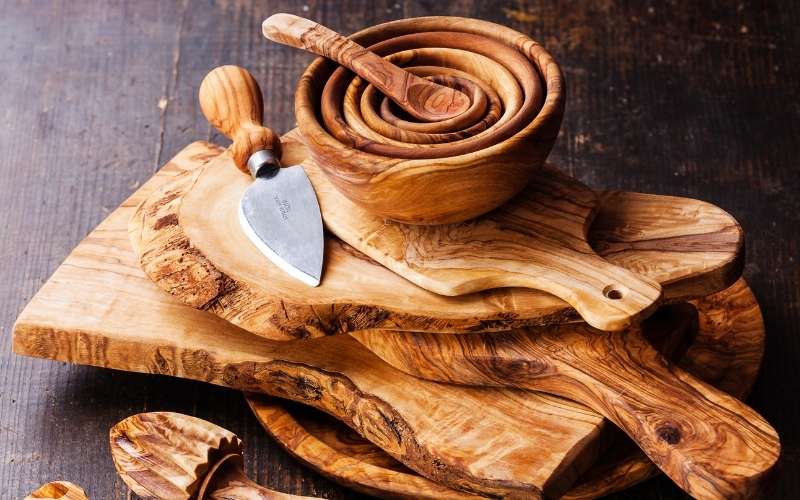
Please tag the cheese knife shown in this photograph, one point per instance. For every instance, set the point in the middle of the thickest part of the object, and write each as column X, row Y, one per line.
column 279, row 212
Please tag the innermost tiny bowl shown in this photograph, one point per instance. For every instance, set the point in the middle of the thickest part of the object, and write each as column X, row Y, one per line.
column 436, row 182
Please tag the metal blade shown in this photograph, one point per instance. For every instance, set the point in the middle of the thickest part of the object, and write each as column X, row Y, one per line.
column 280, row 214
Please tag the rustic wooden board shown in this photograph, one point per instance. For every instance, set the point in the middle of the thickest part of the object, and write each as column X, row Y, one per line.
column 696, row 251
column 100, row 309
column 726, row 352
column 709, row 443
column 690, row 101
column 537, row 240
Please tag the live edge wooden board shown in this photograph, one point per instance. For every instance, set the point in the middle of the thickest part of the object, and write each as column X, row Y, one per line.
column 100, row 309
column 726, row 352
column 190, row 244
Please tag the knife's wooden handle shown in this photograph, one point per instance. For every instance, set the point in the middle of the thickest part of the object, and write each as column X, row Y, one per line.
column 231, row 101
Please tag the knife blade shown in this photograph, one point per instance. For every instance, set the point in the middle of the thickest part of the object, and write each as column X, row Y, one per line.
column 282, row 201
column 279, row 211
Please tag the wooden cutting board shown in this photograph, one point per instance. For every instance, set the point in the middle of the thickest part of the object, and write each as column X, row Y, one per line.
column 190, row 244
column 726, row 353
column 537, row 240
column 710, row 444
column 100, row 309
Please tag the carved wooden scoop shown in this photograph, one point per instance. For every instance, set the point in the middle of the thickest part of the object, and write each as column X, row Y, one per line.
column 170, row 455
column 421, row 98
column 63, row 490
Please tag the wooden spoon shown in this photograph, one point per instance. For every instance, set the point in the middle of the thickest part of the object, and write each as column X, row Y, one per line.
column 707, row 442
column 170, row 455
column 421, row 98
column 62, row 490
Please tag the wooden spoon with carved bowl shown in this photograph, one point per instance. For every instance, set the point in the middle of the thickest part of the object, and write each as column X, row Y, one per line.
column 423, row 99
column 170, row 455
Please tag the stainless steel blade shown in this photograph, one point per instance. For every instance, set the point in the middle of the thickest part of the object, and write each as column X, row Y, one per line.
column 281, row 216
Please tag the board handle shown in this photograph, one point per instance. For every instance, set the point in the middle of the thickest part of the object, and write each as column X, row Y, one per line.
column 709, row 443
column 231, row 101
column 422, row 99
column 608, row 297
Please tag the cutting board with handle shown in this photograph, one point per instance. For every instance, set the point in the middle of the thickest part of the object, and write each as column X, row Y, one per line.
column 189, row 242
column 726, row 352
column 100, row 309
column 537, row 240
column 707, row 442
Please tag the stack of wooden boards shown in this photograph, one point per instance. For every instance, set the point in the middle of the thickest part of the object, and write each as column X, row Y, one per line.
column 529, row 421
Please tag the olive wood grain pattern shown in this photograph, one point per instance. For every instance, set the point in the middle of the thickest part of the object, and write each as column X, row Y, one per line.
column 726, row 352
column 232, row 102
column 175, row 456
column 190, row 244
column 707, row 442
column 335, row 451
column 100, row 309
column 422, row 99
column 63, row 490
column 729, row 320
column 440, row 182
column 537, row 240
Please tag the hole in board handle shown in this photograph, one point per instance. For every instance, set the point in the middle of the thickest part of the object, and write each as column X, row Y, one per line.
column 613, row 292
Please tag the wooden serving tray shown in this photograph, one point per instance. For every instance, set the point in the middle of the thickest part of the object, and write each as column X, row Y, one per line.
column 190, row 243
column 100, row 309
column 726, row 352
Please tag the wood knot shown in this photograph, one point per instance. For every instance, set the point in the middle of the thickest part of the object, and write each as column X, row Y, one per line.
column 669, row 434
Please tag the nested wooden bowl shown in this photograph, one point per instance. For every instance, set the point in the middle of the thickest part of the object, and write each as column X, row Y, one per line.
column 439, row 172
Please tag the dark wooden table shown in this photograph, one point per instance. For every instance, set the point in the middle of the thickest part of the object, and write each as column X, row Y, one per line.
column 95, row 95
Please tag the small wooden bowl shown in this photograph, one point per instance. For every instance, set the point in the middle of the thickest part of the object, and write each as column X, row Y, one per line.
column 409, row 178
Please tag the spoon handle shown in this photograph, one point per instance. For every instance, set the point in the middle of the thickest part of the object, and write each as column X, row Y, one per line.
column 227, row 481
column 423, row 99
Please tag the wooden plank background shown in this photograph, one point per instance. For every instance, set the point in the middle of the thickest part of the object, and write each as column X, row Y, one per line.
column 663, row 97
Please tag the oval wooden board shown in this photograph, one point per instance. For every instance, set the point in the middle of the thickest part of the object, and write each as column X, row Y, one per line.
column 726, row 352
column 189, row 242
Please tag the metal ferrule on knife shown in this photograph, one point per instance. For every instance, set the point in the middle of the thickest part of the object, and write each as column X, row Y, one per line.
column 262, row 162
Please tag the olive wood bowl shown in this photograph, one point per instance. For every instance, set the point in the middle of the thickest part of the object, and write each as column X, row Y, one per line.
column 440, row 172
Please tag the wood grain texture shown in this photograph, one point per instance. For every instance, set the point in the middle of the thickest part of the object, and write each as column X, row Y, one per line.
column 167, row 455
column 232, row 103
column 709, row 443
column 537, row 240
column 220, row 271
column 63, row 490
column 100, row 309
column 425, row 100
column 475, row 174
column 175, row 456
column 730, row 321
column 694, row 101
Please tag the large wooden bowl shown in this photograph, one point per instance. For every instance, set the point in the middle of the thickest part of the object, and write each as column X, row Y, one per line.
column 435, row 173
